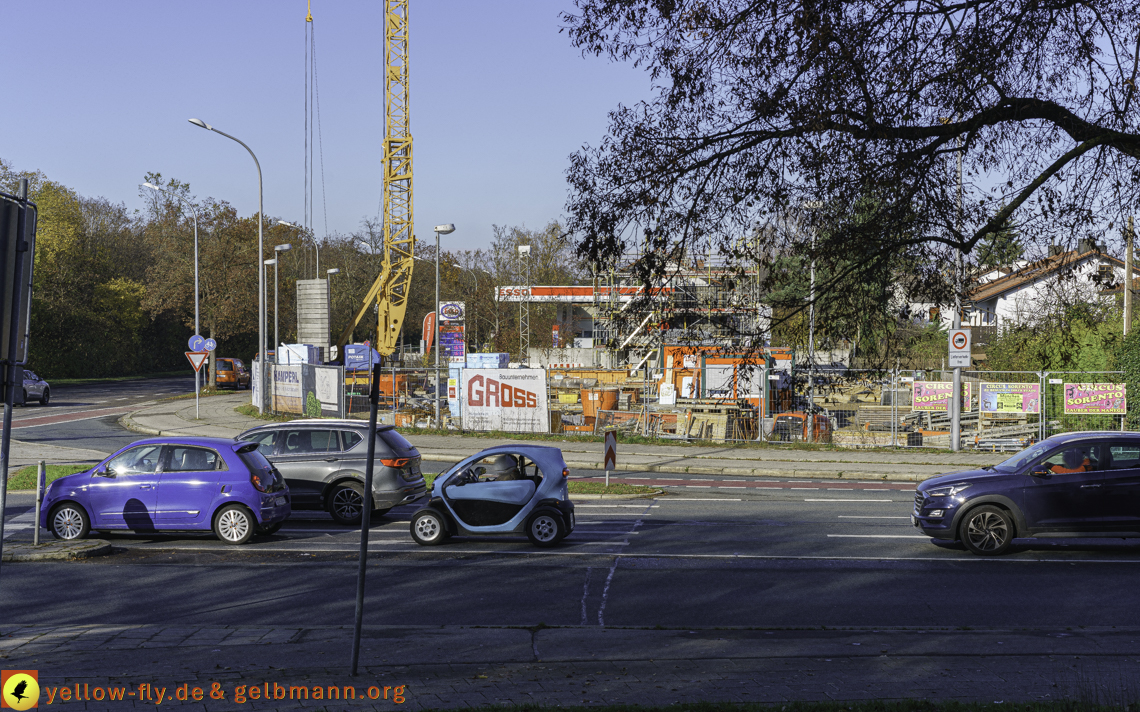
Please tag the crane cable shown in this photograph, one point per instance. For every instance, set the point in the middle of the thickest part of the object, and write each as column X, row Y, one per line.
column 313, row 121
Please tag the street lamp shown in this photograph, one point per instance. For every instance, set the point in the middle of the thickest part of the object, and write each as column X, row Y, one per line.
column 260, row 270
column 328, row 304
column 315, row 245
column 439, row 230
column 277, row 252
column 194, row 212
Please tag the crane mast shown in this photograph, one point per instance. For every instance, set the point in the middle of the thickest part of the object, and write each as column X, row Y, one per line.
column 390, row 290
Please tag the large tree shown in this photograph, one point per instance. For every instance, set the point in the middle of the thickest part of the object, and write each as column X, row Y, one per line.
column 763, row 106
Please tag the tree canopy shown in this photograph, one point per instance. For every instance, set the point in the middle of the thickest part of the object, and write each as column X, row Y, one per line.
column 761, row 106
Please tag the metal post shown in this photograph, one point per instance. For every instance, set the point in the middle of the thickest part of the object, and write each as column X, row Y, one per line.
column 955, row 396
column 276, row 313
column 10, row 367
column 435, row 321
column 811, row 345
column 1128, row 240
column 41, row 481
column 366, row 512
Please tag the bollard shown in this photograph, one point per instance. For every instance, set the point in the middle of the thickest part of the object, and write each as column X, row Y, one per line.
column 41, row 479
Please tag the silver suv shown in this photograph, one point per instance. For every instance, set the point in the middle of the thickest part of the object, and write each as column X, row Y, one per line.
column 323, row 462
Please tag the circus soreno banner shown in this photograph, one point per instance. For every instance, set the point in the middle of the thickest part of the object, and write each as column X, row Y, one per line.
column 1095, row 399
column 935, row 395
column 1010, row 397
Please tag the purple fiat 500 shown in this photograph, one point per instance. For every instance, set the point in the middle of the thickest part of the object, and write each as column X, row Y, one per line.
column 172, row 484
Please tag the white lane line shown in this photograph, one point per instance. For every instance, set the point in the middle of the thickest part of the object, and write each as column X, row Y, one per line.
column 854, row 500
column 877, row 536
column 610, row 506
column 856, row 516
column 734, row 480
column 678, row 479
column 804, row 488
column 700, row 479
column 732, row 487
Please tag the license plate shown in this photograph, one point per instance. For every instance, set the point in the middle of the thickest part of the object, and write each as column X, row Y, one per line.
column 279, row 501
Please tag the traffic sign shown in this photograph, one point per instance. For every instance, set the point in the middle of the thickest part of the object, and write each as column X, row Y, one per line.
column 611, row 450
column 210, row 345
column 197, row 358
column 959, row 348
column 196, row 343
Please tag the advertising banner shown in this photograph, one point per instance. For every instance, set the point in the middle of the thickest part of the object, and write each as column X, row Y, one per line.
column 1010, row 397
column 452, row 341
column 1095, row 399
column 323, row 399
column 512, row 400
column 935, row 396
column 285, row 388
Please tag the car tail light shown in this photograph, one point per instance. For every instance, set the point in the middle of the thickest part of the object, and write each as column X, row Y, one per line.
column 395, row 461
column 259, row 481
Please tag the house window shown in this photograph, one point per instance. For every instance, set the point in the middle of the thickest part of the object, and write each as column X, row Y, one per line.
column 1104, row 272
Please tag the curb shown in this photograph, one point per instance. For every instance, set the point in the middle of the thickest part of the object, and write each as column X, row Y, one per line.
column 737, row 471
column 131, row 425
column 654, row 493
column 56, row 550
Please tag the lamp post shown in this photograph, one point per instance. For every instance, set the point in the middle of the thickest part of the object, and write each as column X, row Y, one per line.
column 193, row 212
column 315, row 245
column 278, row 249
column 260, row 271
column 328, row 303
column 439, row 230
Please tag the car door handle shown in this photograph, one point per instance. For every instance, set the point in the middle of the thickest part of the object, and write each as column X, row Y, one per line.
column 146, row 486
column 1089, row 486
column 332, row 459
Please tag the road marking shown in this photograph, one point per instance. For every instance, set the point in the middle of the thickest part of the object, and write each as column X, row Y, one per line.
column 608, row 506
column 732, row 487
column 877, row 536
column 854, row 500
column 41, row 420
column 804, row 488
column 856, row 516
column 23, row 522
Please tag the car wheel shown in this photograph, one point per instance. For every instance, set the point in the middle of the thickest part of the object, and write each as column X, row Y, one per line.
column 346, row 503
column 987, row 531
column 545, row 528
column 233, row 524
column 45, row 397
column 271, row 529
column 428, row 527
column 69, row 522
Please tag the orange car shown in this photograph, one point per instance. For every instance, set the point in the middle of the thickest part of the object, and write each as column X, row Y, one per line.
column 231, row 373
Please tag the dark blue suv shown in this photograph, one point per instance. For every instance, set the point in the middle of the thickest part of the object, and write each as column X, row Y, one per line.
column 1071, row 485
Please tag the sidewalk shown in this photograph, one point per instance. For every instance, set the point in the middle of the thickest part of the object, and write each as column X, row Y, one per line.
column 461, row 667
column 218, row 419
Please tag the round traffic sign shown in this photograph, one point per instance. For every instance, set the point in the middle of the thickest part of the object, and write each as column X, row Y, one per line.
column 959, row 340
column 210, row 345
column 196, row 342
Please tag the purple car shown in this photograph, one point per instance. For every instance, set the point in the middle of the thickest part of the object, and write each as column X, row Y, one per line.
column 172, row 484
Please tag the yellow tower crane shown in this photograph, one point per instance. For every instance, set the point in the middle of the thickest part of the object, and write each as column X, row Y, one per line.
column 390, row 290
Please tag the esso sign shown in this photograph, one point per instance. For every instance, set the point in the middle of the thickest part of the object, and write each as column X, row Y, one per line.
column 514, row 292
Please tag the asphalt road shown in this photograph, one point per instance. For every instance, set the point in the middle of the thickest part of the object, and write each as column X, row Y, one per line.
column 87, row 416
column 715, row 551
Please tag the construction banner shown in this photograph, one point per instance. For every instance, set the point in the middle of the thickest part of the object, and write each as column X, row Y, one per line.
column 511, row 400
column 1095, row 399
column 935, row 396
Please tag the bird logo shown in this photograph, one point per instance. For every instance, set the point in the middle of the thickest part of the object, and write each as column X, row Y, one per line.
column 19, row 689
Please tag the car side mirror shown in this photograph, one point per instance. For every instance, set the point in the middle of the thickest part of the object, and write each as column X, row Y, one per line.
column 1040, row 471
column 104, row 472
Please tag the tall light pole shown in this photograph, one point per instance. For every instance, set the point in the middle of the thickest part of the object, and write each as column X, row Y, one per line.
column 278, row 249
column 315, row 245
column 446, row 229
column 260, row 270
column 524, row 310
column 328, row 303
column 197, row 330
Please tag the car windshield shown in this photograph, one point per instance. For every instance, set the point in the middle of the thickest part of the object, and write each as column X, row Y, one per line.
column 1024, row 457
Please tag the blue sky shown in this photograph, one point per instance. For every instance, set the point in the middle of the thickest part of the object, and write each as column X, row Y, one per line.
column 499, row 100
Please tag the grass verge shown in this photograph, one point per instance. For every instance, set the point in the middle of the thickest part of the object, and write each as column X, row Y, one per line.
column 250, row 410
column 25, row 477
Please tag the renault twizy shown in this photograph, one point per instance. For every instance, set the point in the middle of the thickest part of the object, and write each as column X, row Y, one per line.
column 501, row 490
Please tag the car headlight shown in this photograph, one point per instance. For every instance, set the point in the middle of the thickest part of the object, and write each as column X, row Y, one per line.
column 948, row 491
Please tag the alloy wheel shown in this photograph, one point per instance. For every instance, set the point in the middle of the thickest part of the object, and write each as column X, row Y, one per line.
column 427, row 528
column 68, row 523
column 233, row 525
column 347, row 503
column 987, row 531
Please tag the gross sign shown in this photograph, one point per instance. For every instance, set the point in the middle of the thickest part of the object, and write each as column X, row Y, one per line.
column 935, row 395
column 959, row 348
column 1095, row 399
column 511, row 400
column 1010, row 398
